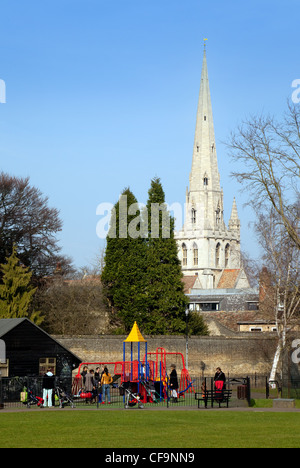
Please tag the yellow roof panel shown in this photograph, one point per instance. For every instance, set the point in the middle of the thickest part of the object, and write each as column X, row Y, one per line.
column 135, row 335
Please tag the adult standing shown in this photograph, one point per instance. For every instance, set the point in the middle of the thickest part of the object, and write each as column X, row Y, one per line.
column 174, row 383
column 90, row 386
column 219, row 379
column 83, row 375
column 97, row 377
column 106, row 380
column 89, row 381
column 48, row 386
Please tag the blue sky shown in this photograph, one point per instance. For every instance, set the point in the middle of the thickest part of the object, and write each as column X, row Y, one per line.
column 101, row 95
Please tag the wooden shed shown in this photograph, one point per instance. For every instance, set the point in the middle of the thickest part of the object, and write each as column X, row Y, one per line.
column 30, row 351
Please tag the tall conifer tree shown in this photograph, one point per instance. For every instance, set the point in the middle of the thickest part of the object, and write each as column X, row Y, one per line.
column 142, row 278
column 16, row 291
column 125, row 263
column 166, row 302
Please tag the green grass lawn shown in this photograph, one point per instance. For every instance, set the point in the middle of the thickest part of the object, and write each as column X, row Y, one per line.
column 149, row 429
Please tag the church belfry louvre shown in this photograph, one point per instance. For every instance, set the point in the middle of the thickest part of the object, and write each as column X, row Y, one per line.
column 208, row 249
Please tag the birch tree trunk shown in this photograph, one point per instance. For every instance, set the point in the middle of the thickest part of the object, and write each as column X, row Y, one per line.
column 275, row 362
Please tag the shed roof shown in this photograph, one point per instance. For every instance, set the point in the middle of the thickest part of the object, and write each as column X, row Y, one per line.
column 6, row 325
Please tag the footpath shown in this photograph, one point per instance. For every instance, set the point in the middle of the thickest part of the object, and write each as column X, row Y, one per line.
column 153, row 408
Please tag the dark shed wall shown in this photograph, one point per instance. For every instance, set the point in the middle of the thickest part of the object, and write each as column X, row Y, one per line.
column 26, row 344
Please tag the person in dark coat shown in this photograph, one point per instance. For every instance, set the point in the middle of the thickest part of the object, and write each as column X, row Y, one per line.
column 220, row 377
column 83, row 374
column 174, row 383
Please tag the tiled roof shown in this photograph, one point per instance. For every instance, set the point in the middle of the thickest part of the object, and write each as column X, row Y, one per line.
column 228, row 279
column 189, row 282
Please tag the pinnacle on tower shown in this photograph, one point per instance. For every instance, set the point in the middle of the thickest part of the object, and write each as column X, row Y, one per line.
column 234, row 222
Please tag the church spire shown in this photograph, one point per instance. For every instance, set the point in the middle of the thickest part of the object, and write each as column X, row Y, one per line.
column 206, row 246
column 204, row 171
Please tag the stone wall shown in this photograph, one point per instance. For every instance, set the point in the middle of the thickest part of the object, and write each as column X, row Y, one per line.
column 230, row 320
column 243, row 355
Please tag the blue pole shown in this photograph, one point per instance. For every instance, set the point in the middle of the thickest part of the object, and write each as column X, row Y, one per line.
column 139, row 366
column 131, row 363
column 123, row 370
column 146, row 364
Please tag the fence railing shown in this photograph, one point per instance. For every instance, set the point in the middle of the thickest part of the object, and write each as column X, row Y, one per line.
column 158, row 394
column 12, row 391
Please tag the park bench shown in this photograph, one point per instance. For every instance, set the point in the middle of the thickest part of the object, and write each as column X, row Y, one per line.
column 214, row 396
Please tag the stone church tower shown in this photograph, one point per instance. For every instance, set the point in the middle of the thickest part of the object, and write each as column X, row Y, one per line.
column 207, row 247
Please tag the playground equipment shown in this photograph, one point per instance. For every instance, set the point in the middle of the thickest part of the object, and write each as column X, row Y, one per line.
column 144, row 376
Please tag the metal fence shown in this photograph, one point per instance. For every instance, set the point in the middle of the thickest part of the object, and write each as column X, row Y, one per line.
column 285, row 388
column 14, row 390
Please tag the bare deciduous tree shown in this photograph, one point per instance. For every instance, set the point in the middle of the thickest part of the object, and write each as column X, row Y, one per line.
column 267, row 157
column 268, row 153
column 281, row 278
column 28, row 222
column 73, row 307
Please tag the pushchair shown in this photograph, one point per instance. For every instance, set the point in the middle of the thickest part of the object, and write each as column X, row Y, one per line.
column 64, row 397
column 219, row 388
column 132, row 399
column 90, row 397
column 151, row 394
column 32, row 399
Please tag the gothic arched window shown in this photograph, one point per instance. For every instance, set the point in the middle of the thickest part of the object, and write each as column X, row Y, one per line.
column 195, row 254
column 184, row 255
column 227, row 254
column 218, row 252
